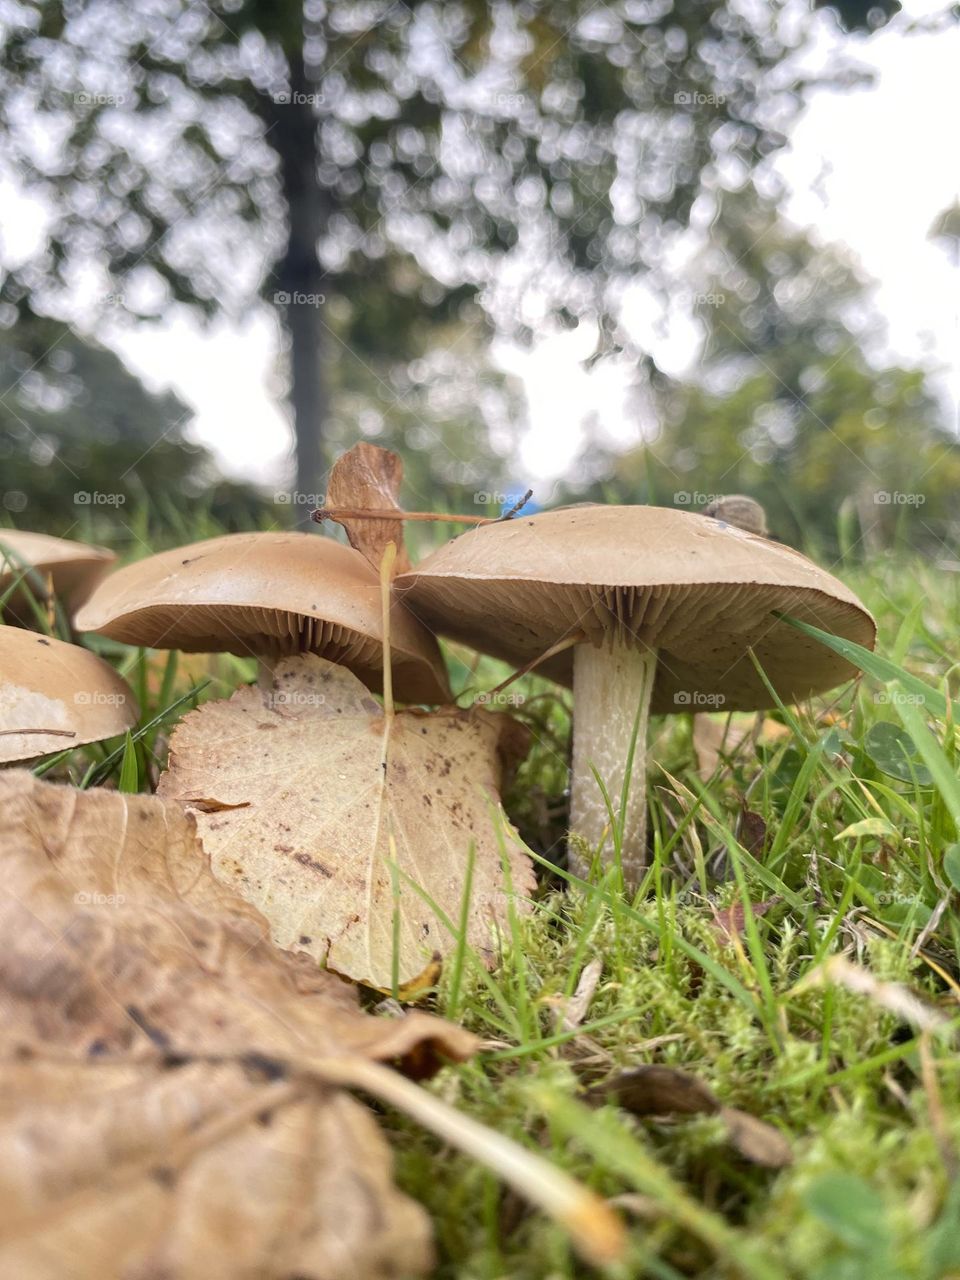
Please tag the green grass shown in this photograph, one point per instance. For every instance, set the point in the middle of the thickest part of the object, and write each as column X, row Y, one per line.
column 861, row 858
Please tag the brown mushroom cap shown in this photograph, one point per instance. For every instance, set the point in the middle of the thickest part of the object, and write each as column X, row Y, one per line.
column 48, row 684
column 75, row 568
column 697, row 590
column 268, row 594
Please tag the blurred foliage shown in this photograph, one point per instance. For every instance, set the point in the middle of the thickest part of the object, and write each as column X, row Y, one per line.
column 82, row 441
column 443, row 135
column 428, row 174
column 791, row 404
column 391, row 162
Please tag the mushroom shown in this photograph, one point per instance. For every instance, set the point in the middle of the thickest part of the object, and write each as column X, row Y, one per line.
column 741, row 510
column 640, row 608
column 74, row 568
column 55, row 695
column 269, row 594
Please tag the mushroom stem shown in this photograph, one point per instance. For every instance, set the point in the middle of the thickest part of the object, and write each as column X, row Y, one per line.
column 611, row 696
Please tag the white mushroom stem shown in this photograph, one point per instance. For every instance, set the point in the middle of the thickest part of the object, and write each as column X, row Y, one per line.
column 611, row 697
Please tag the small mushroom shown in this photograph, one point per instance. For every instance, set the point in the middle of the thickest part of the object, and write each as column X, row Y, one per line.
column 649, row 609
column 55, row 695
column 272, row 595
column 740, row 510
column 73, row 567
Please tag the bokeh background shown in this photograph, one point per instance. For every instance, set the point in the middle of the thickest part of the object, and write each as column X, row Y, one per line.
column 638, row 251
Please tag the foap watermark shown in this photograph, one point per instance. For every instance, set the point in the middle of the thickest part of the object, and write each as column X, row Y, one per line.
column 86, row 99
column 294, row 498
column 709, row 299
column 693, row 98
column 899, row 698
column 886, row 498
column 698, row 698
column 500, row 699
column 510, row 100
column 296, row 698
column 694, row 498
column 97, row 698
column 97, row 499
column 83, row 899
column 283, row 298
column 297, row 98
column 486, row 497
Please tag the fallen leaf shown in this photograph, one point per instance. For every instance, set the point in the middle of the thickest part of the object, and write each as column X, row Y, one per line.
column 173, row 1085
column 345, row 809
column 752, row 831
column 368, row 476
column 153, row 1120
column 656, row 1090
column 756, row 1141
column 572, row 1011
column 732, row 920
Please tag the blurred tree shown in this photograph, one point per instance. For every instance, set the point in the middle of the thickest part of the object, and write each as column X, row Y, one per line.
column 791, row 401
column 82, row 441
column 369, row 166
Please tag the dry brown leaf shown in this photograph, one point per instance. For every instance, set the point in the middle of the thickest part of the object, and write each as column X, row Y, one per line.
column 731, row 921
column 656, row 1090
column 368, row 476
column 342, row 807
column 159, row 1116
column 572, row 1011
column 756, row 1141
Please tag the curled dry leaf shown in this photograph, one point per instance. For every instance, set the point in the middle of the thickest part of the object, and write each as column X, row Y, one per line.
column 325, row 813
column 369, row 476
column 159, row 1116
column 656, row 1090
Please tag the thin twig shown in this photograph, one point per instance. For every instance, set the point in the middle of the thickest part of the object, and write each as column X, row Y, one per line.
column 567, row 643
column 53, row 733
column 442, row 517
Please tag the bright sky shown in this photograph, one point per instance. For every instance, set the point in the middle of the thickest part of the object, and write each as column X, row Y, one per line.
column 870, row 168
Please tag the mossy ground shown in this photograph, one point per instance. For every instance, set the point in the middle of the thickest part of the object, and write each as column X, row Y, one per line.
column 868, row 1099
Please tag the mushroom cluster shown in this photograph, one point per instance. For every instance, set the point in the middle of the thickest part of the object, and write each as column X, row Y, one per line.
column 640, row 609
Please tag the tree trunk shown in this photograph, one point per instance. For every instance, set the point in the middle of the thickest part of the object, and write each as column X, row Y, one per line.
column 300, row 280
